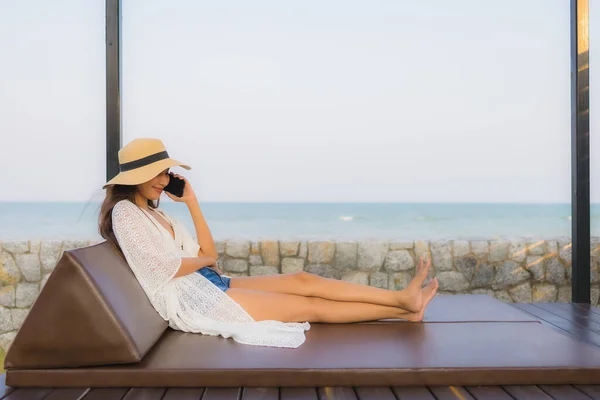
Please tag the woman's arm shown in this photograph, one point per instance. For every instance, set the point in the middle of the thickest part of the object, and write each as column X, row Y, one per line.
column 203, row 235
column 193, row 264
column 205, row 239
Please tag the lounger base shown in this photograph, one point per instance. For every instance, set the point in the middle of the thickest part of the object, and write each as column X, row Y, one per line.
column 373, row 354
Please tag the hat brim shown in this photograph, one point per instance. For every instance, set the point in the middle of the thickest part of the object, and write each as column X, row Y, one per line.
column 144, row 174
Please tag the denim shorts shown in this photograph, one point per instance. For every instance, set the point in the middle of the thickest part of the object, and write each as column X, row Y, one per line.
column 222, row 282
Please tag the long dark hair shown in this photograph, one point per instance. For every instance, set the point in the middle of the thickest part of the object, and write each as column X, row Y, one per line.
column 114, row 194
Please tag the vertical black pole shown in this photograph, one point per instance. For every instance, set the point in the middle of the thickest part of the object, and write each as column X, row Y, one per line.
column 580, row 151
column 113, row 87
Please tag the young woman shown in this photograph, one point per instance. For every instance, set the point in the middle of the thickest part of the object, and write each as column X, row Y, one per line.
column 182, row 280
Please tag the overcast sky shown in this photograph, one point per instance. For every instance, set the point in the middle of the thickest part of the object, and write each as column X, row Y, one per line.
column 329, row 100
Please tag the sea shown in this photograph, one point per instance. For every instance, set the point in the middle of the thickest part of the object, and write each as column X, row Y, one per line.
column 314, row 221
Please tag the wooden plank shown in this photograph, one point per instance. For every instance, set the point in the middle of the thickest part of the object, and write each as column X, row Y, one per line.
column 375, row 393
column 222, row 393
column 586, row 307
column 540, row 314
column 412, row 393
column 252, row 393
column 566, row 306
column 591, row 390
column 571, row 307
column 553, row 320
column 67, row 394
column 572, row 314
column 472, row 308
column 336, row 393
column 522, row 307
column 184, row 394
column 106, row 394
column 28, row 394
column 4, row 390
column 528, row 392
column 145, row 394
column 573, row 325
column 488, row 393
column 298, row 393
column 450, row 393
column 563, row 392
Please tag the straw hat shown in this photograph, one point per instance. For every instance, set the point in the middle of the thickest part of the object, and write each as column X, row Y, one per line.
column 141, row 160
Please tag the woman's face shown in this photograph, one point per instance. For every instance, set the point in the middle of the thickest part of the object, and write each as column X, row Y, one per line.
column 152, row 189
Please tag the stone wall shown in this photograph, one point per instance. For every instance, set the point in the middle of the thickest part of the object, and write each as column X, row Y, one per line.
column 512, row 271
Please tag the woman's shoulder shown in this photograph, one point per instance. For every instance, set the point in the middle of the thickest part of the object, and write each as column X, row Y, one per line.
column 123, row 204
column 124, row 207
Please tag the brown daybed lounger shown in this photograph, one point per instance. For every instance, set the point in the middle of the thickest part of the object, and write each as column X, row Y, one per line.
column 92, row 326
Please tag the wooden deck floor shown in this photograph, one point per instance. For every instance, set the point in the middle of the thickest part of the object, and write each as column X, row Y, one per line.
column 577, row 321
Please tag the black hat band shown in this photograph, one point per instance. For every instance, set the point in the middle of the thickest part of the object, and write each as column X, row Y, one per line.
column 143, row 161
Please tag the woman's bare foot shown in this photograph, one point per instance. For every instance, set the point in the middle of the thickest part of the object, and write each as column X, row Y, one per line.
column 427, row 293
column 411, row 298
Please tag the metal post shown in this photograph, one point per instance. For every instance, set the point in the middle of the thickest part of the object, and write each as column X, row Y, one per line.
column 113, row 87
column 580, row 152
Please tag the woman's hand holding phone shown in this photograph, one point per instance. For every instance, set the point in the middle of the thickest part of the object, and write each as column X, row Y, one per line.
column 188, row 191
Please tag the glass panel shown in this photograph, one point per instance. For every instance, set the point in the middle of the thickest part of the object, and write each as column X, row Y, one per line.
column 438, row 128
column 51, row 118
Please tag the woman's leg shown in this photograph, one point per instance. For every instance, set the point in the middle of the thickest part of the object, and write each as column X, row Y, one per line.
column 310, row 285
column 293, row 308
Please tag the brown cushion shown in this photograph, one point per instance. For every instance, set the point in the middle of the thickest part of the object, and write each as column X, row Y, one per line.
column 92, row 311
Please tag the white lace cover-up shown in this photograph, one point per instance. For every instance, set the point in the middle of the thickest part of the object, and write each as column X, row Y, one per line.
column 189, row 303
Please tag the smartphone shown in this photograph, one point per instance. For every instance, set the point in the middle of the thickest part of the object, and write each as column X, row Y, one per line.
column 175, row 186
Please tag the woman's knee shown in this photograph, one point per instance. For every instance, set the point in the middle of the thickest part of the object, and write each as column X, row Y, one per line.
column 306, row 281
column 305, row 277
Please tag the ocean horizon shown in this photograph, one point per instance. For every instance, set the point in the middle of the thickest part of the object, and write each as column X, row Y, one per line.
column 314, row 221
